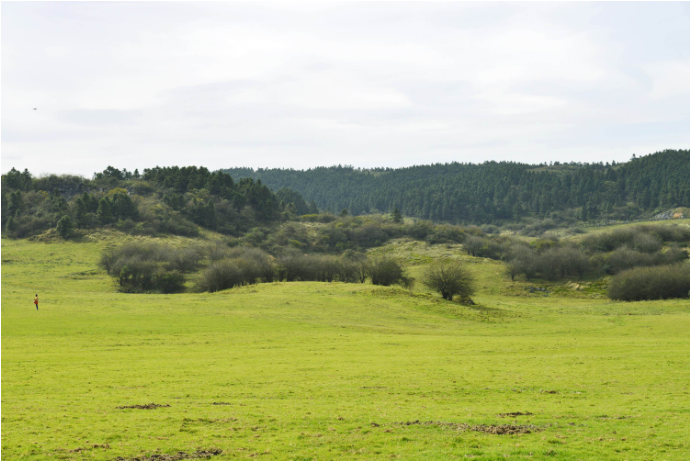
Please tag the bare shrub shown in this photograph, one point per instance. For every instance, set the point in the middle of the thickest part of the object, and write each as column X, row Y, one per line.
column 473, row 245
column 450, row 279
column 522, row 259
column 358, row 264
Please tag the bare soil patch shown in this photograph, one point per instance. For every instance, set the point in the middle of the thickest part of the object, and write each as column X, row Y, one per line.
column 492, row 429
column 180, row 455
column 143, row 406
column 514, row 414
column 506, row 429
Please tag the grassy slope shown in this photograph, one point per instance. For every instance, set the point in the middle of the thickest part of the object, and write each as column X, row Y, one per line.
column 307, row 367
column 602, row 229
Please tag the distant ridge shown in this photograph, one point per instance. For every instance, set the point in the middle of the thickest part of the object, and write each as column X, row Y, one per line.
column 495, row 191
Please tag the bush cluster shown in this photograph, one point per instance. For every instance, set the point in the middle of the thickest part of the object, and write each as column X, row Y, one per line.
column 642, row 238
column 153, row 267
column 605, row 253
column 150, row 267
column 245, row 265
column 351, row 233
column 672, row 281
column 624, row 258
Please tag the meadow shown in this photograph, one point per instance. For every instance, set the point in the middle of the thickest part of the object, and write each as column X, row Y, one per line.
column 334, row 371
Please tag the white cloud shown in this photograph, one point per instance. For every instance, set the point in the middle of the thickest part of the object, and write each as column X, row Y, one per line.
column 669, row 79
column 224, row 84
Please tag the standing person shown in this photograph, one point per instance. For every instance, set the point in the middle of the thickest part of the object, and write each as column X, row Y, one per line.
column 36, row 301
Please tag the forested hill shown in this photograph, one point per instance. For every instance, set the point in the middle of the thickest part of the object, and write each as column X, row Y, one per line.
column 161, row 200
column 484, row 193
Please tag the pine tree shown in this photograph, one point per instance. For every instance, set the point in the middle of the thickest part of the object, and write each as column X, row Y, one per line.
column 105, row 211
column 65, row 227
column 10, row 225
column 16, row 203
column 123, row 207
column 397, row 216
column 80, row 212
column 211, row 219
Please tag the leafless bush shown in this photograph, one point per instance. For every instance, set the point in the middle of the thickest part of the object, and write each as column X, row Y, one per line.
column 450, row 279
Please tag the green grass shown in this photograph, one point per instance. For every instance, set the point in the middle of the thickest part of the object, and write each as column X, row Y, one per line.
column 307, row 368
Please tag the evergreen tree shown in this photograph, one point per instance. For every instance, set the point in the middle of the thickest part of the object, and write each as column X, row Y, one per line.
column 65, row 227
column 123, row 207
column 211, row 220
column 397, row 216
column 10, row 225
column 80, row 211
column 584, row 215
column 105, row 211
column 56, row 203
column 15, row 204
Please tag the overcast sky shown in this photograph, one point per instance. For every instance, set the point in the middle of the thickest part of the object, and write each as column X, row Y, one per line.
column 137, row 85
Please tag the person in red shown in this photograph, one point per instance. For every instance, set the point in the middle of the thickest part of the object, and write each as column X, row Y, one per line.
column 36, row 301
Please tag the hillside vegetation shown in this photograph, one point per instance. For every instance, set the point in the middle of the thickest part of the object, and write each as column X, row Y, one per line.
column 170, row 200
column 496, row 192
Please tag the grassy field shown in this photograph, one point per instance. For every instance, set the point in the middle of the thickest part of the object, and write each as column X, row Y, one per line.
column 333, row 371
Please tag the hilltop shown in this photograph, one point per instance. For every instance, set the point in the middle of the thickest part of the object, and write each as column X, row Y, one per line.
column 496, row 192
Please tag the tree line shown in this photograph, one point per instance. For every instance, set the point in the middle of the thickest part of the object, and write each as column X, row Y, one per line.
column 495, row 192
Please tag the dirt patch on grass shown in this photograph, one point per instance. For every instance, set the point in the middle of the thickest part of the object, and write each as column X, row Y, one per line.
column 180, row 455
column 143, row 406
column 95, row 446
column 221, row 404
column 514, row 414
column 506, row 429
column 492, row 429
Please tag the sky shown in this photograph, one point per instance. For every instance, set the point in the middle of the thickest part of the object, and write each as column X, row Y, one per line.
column 299, row 85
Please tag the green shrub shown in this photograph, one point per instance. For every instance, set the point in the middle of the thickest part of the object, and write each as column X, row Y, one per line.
column 318, row 218
column 168, row 282
column 386, row 272
column 660, row 282
column 221, row 275
column 150, row 267
column 624, row 258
